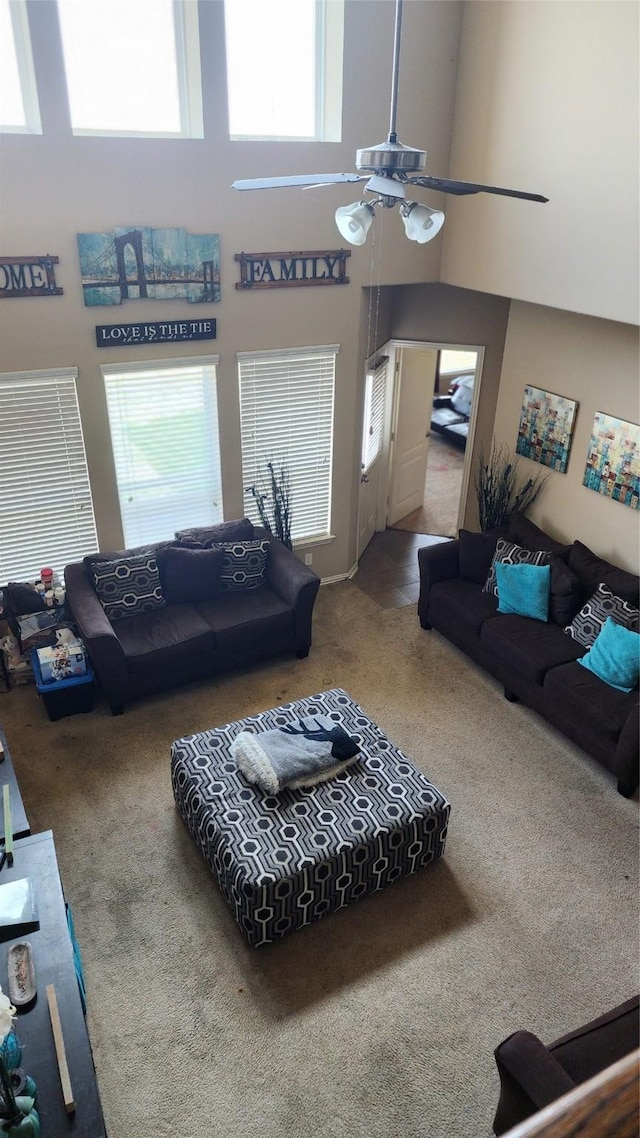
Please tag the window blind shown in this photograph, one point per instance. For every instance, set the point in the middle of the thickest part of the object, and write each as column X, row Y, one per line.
column 164, row 434
column 286, row 415
column 373, row 424
column 46, row 509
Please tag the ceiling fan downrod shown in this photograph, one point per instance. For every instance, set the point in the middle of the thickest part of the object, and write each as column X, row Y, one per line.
column 392, row 158
column 393, row 137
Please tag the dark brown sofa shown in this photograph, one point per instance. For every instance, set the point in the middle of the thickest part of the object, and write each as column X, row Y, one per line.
column 536, row 661
column 171, row 645
column 532, row 1076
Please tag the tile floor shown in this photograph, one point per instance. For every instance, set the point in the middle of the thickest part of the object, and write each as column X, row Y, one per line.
column 388, row 571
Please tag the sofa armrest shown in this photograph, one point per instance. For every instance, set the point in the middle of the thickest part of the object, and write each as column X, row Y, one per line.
column 104, row 648
column 296, row 583
column 436, row 563
column 627, row 751
column 530, row 1079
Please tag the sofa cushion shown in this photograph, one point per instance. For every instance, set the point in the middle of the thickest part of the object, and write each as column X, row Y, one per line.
column 164, row 639
column 565, row 596
column 476, row 554
column 461, row 605
column 190, row 575
column 584, row 699
column 524, row 590
column 239, row 530
column 615, row 656
column 252, row 618
column 244, row 564
column 589, row 622
column 155, row 547
column 509, row 553
column 128, row 586
column 525, row 532
column 592, row 569
column 528, row 646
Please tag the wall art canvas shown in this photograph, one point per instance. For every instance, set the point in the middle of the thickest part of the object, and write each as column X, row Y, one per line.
column 546, row 427
column 613, row 460
column 136, row 263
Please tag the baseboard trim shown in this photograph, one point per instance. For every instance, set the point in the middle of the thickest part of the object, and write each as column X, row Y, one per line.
column 340, row 576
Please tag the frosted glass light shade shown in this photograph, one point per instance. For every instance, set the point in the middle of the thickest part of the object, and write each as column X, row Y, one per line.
column 421, row 223
column 354, row 221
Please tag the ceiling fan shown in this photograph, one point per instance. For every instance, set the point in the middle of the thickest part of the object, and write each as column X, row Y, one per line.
column 388, row 168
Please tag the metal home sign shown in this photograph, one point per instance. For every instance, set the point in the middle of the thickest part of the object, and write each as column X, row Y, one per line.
column 293, row 270
column 154, row 332
column 28, row 276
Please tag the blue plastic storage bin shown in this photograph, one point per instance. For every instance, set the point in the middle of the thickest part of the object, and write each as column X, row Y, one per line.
column 66, row 697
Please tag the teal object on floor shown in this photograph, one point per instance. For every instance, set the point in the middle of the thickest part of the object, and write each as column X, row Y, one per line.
column 11, row 1051
column 77, row 959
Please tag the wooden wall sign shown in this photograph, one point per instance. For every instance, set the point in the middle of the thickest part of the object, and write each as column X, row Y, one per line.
column 156, row 332
column 292, row 270
column 28, row 276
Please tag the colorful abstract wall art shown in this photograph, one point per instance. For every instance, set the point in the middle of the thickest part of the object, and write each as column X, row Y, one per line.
column 546, row 427
column 155, row 264
column 613, row 460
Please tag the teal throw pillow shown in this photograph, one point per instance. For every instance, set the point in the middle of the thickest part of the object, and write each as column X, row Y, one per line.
column 524, row 589
column 615, row 656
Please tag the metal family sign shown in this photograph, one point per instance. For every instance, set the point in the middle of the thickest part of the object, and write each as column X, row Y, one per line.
column 157, row 332
column 28, row 276
column 292, row 270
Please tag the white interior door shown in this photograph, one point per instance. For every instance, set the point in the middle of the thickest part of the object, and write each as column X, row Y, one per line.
column 374, row 430
column 415, row 385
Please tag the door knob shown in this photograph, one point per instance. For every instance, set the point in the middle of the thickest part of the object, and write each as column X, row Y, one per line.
column 364, row 477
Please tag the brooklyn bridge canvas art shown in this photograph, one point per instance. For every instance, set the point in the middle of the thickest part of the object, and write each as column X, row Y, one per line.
column 154, row 264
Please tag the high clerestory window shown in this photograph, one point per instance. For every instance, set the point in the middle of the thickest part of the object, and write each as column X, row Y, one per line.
column 284, row 69
column 132, row 68
column 19, row 110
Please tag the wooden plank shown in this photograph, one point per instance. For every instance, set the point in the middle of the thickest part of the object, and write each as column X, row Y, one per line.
column 61, row 1053
column 8, row 826
column 606, row 1106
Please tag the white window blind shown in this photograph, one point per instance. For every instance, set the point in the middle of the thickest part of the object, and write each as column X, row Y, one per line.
column 286, row 414
column 164, row 433
column 374, row 408
column 46, row 510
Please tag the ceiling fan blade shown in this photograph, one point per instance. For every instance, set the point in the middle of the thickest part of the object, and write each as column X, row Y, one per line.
column 295, row 180
column 446, row 186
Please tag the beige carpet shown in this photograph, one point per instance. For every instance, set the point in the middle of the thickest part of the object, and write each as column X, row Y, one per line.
column 379, row 1021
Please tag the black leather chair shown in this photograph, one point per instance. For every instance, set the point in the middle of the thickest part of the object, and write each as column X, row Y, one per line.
column 532, row 1075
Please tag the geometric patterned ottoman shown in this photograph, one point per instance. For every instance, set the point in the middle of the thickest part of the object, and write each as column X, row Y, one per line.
column 284, row 861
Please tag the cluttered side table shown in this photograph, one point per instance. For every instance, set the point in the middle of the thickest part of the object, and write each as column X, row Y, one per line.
column 34, row 857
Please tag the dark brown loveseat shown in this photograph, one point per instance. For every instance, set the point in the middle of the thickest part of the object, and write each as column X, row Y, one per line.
column 179, row 642
column 536, row 661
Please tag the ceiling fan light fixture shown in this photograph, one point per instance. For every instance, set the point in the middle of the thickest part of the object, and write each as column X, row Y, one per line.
column 354, row 221
column 421, row 223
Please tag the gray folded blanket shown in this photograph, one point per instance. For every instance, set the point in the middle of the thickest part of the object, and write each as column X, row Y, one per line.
column 307, row 751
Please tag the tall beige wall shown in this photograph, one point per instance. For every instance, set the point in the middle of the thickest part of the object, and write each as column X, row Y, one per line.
column 54, row 186
column 547, row 101
column 597, row 363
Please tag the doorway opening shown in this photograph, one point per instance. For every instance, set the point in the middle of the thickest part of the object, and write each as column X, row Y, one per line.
column 451, row 403
column 418, row 422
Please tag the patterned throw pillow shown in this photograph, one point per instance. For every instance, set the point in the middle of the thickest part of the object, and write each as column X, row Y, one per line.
column 128, row 586
column 511, row 554
column 243, row 565
column 588, row 624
